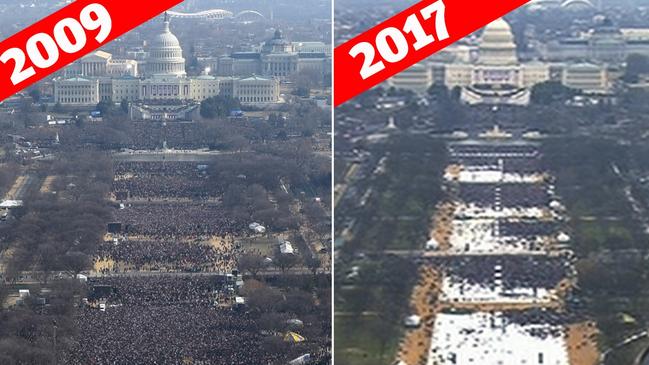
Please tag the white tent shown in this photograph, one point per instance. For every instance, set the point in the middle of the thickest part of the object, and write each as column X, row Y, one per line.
column 286, row 248
column 432, row 244
column 304, row 359
column 563, row 238
column 412, row 321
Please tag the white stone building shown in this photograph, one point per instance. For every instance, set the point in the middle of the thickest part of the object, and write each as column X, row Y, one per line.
column 604, row 43
column 101, row 63
column 77, row 91
column 101, row 79
column 280, row 58
column 494, row 75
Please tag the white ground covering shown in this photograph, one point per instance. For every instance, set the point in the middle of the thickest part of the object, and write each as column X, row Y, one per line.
column 484, row 339
column 454, row 290
column 493, row 176
column 494, row 154
column 480, row 236
column 475, row 211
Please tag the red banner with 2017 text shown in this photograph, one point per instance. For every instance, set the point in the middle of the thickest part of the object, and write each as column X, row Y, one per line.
column 407, row 38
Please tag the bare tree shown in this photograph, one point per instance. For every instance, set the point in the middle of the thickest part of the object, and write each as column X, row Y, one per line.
column 285, row 262
column 252, row 263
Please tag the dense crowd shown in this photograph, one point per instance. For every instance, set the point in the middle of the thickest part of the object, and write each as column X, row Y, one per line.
column 171, row 220
column 145, row 135
column 506, row 195
column 171, row 255
column 177, row 334
column 542, row 316
column 172, row 320
column 515, row 271
column 178, row 135
column 157, row 290
column 164, row 179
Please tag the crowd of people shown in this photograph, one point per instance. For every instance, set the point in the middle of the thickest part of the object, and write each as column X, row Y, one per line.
column 165, row 297
column 505, row 195
column 514, row 271
column 169, row 255
column 145, row 135
column 169, row 319
column 178, row 135
column 169, row 220
column 157, row 290
column 524, row 275
column 171, row 180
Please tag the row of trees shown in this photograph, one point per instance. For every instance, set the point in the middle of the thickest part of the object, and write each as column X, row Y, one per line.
column 60, row 232
column 53, row 232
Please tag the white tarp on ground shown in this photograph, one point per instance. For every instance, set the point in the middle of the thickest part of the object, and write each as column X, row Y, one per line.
column 458, row 290
column 480, row 236
column 493, row 176
column 475, row 211
column 486, row 339
column 11, row 204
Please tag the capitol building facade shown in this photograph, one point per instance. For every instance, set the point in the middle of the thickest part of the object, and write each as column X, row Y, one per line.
column 98, row 77
column 493, row 74
column 278, row 58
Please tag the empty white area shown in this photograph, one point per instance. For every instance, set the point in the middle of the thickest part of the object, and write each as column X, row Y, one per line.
column 490, row 339
column 474, row 211
column 493, row 176
column 481, row 236
column 458, row 290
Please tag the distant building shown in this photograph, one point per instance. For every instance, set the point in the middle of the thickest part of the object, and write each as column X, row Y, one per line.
column 251, row 90
column 77, row 91
column 587, row 77
column 605, row 43
column 278, row 58
column 101, row 63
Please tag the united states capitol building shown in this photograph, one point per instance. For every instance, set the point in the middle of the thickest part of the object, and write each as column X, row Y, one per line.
column 98, row 77
column 493, row 74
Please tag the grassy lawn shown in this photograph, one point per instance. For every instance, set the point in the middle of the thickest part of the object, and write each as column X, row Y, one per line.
column 370, row 309
column 627, row 355
column 598, row 234
column 613, row 280
column 404, row 196
column 357, row 342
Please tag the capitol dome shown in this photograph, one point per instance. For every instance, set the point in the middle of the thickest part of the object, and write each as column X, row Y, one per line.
column 165, row 54
column 277, row 44
column 497, row 47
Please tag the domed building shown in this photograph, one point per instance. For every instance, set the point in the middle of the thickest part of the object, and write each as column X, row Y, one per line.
column 165, row 81
column 278, row 57
column 496, row 76
column 277, row 44
column 497, row 46
column 165, row 54
column 493, row 74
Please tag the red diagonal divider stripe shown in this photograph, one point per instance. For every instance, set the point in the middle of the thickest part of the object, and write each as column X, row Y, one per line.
column 463, row 17
column 125, row 14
